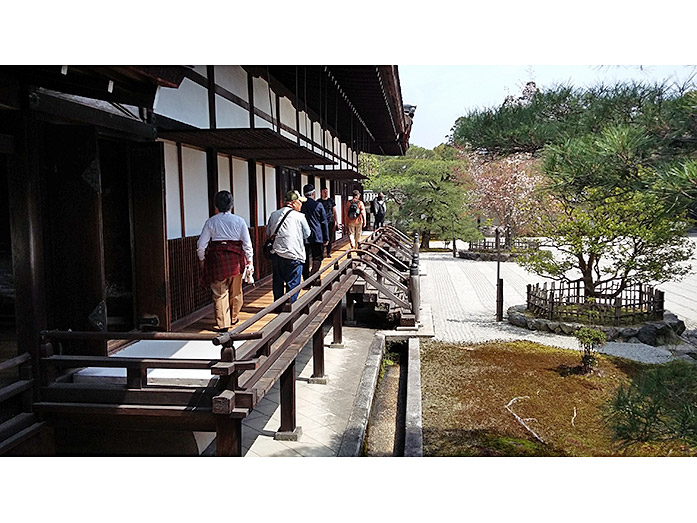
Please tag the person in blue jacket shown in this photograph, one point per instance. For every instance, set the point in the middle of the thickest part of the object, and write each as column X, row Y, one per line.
column 319, row 232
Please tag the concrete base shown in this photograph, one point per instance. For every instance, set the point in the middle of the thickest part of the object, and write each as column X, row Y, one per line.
column 289, row 436
column 336, row 346
column 319, row 381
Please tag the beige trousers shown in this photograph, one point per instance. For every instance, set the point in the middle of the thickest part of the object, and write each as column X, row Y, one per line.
column 227, row 295
column 354, row 231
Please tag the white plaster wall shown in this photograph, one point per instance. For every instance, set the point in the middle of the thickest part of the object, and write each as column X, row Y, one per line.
column 202, row 70
column 234, row 79
column 288, row 135
column 195, row 190
column 304, row 124
column 229, row 114
column 288, row 113
column 339, row 212
column 303, row 182
column 328, row 141
column 173, row 206
column 223, row 173
column 271, row 200
column 261, row 123
column 260, row 195
column 317, row 133
column 261, row 96
column 188, row 104
column 240, row 189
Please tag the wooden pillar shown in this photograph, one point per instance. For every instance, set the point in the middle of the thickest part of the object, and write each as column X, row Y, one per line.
column 26, row 230
column 350, row 308
column 337, row 340
column 228, row 440
column 318, row 357
column 288, row 431
column 287, row 388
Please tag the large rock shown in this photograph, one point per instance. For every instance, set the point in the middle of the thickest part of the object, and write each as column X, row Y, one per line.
column 676, row 324
column 648, row 334
column 629, row 332
column 568, row 328
column 517, row 319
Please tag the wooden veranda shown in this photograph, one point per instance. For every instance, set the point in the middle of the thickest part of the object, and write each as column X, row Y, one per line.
column 255, row 355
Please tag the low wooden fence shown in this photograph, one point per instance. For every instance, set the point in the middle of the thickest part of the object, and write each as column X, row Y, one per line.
column 567, row 301
column 489, row 245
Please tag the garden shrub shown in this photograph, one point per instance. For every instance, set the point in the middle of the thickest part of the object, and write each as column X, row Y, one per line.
column 659, row 405
column 589, row 339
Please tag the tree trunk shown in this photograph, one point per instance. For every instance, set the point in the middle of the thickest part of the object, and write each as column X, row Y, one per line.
column 425, row 239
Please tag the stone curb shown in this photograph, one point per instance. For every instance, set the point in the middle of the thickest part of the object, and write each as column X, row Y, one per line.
column 352, row 441
column 413, row 430
column 652, row 333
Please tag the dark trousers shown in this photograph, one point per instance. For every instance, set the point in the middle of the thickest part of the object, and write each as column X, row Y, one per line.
column 379, row 220
column 286, row 276
column 313, row 259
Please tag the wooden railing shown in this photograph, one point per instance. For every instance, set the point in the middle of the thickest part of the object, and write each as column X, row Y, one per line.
column 567, row 301
column 243, row 374
column 17, row 423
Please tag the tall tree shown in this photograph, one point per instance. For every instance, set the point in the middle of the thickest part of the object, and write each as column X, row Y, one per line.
column 425, row 194
column 505, row 190
column 620, row 161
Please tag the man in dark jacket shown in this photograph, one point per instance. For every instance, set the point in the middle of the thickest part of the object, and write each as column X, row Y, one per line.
column 319, row 231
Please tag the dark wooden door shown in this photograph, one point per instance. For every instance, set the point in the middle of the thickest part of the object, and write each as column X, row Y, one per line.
column 74, row 219
column 150, row 264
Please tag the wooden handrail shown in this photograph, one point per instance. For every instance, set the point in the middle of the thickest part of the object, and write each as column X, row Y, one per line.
column 127, row 363
column 15, row 362
column 138, row 336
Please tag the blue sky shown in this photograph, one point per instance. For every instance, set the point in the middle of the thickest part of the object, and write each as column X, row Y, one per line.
column 442, row 93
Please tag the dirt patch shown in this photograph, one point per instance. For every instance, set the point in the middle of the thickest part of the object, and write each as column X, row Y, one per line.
column 466, row 390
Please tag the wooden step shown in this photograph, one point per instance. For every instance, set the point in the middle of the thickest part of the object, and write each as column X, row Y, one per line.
column 16, row 424
column 21, row 436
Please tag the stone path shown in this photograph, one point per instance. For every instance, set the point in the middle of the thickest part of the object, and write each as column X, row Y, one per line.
column 462, row 297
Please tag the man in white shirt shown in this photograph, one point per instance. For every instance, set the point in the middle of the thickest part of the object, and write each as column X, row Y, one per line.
column 225, row 252
column 289, row 244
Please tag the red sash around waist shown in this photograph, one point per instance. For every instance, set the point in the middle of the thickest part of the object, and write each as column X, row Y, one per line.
column 223, row 259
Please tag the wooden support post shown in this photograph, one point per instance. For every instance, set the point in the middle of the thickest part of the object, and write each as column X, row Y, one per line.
column 318, row 375
column 350, row 310
column 136, row 378
column 228, row 439
column 415, row 291
column 337, row 340
column 288, row 431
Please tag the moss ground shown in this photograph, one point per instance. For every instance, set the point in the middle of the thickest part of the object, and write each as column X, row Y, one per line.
column 466, row 389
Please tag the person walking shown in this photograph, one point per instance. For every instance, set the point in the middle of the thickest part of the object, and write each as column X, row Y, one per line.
column 332, row 219
column 378, row 209
column 225, row 252
column 355, row 218
column 288, row 253
column 319, row 232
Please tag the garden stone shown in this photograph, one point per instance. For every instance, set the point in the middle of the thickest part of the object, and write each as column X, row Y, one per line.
column 676, row 324
column 553, row 326
column 633, row 339
column 648, row 334
column 629, row 332
column 517, row 319
column 567, row 328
